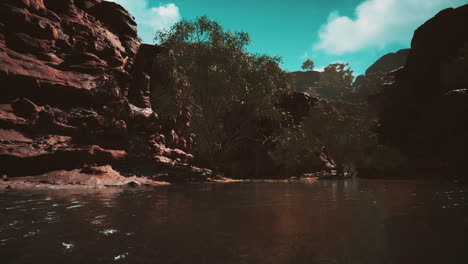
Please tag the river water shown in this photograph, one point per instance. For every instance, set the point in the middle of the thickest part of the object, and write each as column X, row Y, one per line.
column 354, row 221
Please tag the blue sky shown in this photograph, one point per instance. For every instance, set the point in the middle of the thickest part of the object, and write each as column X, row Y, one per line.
column 354, row 31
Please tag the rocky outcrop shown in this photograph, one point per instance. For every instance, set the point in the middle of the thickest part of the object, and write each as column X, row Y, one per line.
column 389, row 62
column 385, row 64
column 78, row 88
column 154, row 86
column 424, row 111
column 85, row 178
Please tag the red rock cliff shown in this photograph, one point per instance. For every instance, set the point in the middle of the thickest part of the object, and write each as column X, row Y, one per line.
column 76, row 84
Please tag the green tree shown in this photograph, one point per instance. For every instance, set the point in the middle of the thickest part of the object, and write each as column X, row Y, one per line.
column 344, row 129
column 218, row 71
column 338, row 126
column 335, row 81
column 308, row 65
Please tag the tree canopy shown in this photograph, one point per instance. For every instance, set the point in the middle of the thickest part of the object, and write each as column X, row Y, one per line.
column 215, row 72
column 218, row 71
column 308, row 65
column 335, row 81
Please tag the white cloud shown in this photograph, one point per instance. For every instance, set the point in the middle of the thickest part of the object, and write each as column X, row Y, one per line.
column 377, row 24
column 320, row 69
column 163, row 16
column 150, row 19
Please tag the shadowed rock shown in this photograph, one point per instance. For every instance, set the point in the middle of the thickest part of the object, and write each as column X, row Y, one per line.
column 424, row 111
column 389, row 62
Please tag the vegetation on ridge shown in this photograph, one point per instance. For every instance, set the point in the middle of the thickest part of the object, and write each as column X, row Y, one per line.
column 216, row 71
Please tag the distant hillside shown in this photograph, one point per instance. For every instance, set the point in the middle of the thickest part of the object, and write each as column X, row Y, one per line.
column 301, row 81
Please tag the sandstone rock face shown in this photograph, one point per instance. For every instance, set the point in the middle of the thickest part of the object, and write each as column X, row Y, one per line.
column 95, row 177
column 75, row 89
column 153, row 74
column 424, row 112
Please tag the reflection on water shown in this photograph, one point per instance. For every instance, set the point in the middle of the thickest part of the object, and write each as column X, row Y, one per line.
column 309, row 222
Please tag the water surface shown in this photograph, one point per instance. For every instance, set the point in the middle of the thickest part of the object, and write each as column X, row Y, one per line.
column 356, row 221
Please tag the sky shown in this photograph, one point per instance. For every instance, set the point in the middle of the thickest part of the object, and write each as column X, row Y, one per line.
column 357, row 32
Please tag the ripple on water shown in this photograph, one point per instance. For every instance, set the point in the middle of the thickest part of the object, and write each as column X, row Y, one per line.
column 68, row 246
column 8, row 227
column 102, row 224
column 12, row 208
column 27, row 201
column 108, row 232
column 74, row 206
column 98, row 220
column 51, row 217
column 3, row 241
column 32, row 233
column 50, row 220
column 120, row 257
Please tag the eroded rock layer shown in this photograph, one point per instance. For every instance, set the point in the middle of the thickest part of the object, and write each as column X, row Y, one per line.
column 76, row 88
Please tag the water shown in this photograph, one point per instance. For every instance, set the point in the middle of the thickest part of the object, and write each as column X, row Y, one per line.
column 357, row 221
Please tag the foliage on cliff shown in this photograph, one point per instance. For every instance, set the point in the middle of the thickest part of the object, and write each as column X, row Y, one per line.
column 218, row 71
column 338, row 129
column 371, row 83
column 335, row 82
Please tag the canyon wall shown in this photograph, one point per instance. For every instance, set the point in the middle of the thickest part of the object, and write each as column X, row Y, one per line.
column 424, row 112
column 77, row 89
